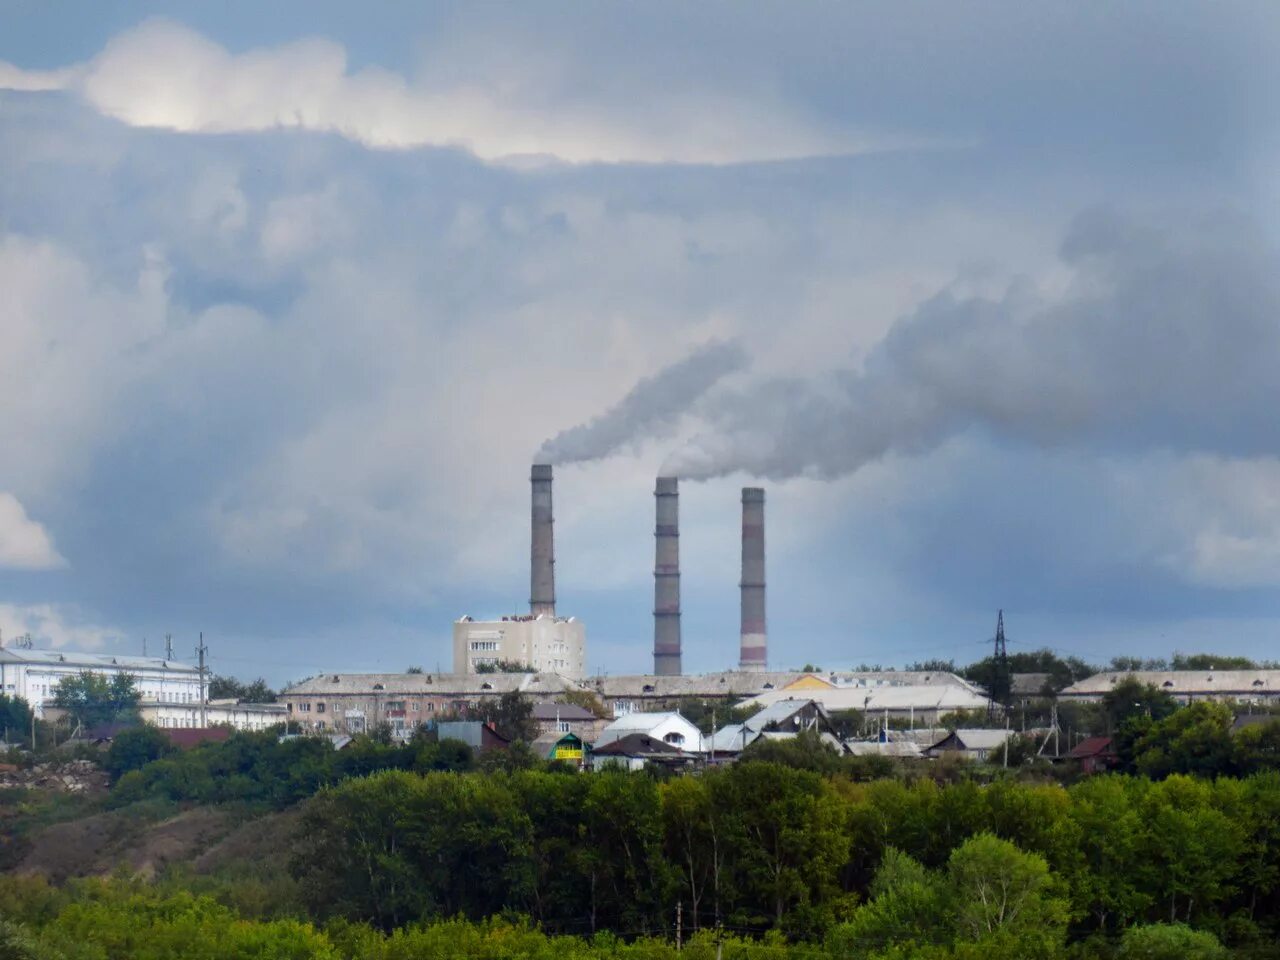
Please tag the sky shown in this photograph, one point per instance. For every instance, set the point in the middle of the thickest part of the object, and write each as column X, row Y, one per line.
column 984, row 294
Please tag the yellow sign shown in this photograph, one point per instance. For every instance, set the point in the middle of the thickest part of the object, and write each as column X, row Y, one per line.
column 567, row 753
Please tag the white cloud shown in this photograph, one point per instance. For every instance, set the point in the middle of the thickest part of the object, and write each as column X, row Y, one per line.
column 1229, row 512
column 24, row 543
column 51, row 625
column 162, row 74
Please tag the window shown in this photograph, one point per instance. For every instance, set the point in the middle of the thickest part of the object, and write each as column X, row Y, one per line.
column 675, row 739
column 319, row 708
column 563, row 726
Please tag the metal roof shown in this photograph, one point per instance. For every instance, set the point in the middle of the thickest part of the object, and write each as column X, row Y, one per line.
column 922, row 697
column 748, row 683
column 92, row 661
column 976, row 739
column 432, row 684
column 561, row 711
column 1184, row 682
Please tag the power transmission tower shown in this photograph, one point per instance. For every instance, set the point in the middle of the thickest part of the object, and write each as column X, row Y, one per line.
column 1001, row 679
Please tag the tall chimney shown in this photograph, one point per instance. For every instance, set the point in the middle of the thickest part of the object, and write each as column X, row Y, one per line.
column 666, row 578
column 542, row 554
column 754, row 654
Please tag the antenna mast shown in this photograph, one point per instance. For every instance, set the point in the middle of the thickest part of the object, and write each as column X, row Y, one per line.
column 202, row 650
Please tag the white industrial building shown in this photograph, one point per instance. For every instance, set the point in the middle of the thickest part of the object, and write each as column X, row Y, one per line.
column 545, row 643
column 34, row 675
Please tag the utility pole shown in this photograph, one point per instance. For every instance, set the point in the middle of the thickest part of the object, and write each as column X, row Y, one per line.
column 168, row 646
column 201, row 651
column 1054, row 731
column 679, row 922
column 1006, row 740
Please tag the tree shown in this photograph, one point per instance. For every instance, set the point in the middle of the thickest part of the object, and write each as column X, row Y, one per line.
column 1062, row 672
column 694, row 845
column 999, row 888
column 229, row 688
column 1194, row 740
column 1128, row 664
column 414, row 670
column 134, row 749
column 1257, row 748
column 1131, row 697
column 707, row 715
column 15, row 719
column 93, row 699
column 908, row 907
column 990, row 893
column 1169, row 941
column 1211, row 661
column 504, row 666
column 511, row 715
column 586, row 700
column 805, row 751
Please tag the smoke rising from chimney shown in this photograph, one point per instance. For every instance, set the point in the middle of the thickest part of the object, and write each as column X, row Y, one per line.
column 1166, row 337
column 652, row 405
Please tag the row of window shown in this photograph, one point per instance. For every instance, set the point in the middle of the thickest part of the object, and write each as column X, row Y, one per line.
column 410, row 705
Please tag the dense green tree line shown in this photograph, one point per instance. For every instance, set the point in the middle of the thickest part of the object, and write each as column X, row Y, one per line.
column 759, row 846
column 261, row 767
column 990, row 902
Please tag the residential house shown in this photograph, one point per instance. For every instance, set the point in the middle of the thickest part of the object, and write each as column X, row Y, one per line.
column 568, row 718
column 480, row 737
column 635, row 750
column 669, row 727
column 975, row 744
column 923, row 703
column 566, row 747
column 789, row 716
column 1095, row 755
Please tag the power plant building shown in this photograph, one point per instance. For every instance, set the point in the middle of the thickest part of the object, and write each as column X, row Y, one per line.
column 540, row 641
column 546, row 644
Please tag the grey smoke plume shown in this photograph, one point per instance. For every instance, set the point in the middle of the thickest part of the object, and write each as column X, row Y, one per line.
column 651, row 406
column 1167, row 337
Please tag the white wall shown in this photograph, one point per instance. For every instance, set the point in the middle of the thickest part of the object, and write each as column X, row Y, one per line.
column 547, row 644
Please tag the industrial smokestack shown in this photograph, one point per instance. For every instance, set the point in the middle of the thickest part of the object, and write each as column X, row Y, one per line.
column 666, row 578
column 754, row 653
column 542, row 553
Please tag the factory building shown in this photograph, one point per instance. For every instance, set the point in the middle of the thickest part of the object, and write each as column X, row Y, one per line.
column 546, row 644
column 539, row 640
